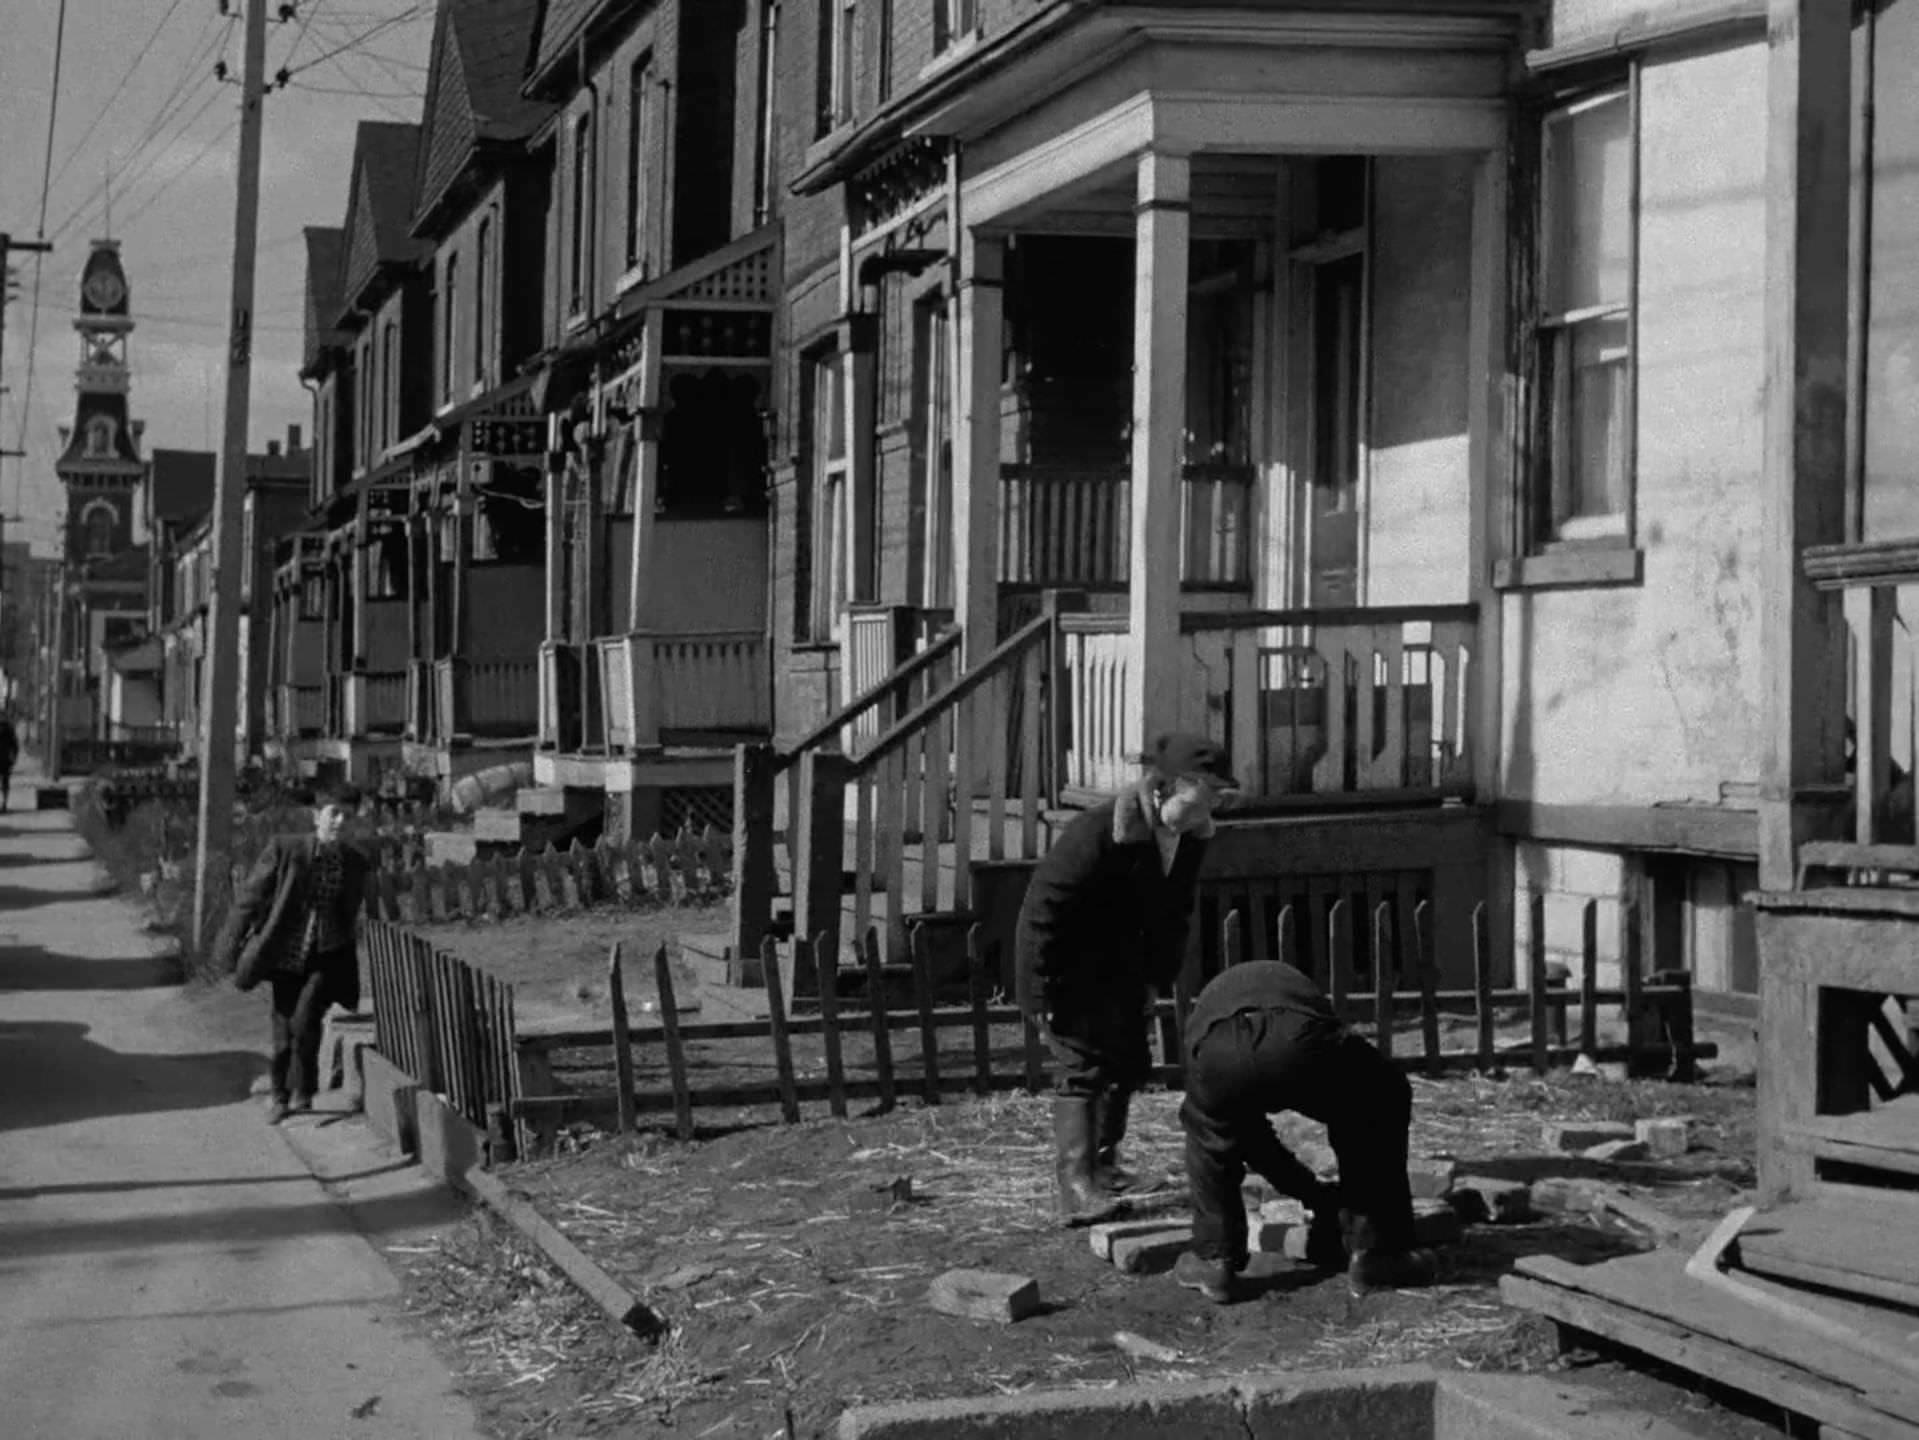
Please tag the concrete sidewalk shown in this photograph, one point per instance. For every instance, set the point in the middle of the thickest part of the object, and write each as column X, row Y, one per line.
column 169, row 1267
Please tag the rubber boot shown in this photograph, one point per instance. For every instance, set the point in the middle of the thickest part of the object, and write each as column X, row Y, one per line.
column 1373, row 1267
column 1109, row 1128
column 1081, row 1201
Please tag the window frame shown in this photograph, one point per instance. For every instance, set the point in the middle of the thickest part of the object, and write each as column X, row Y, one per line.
column 639, row 174
column 389, row 388
column 580, row 133
column 482, row 278
column 837, row 46
column 766, row 89
column 955, row 24
column 449, row 324
column 933, row 385
column 1542, row 557
column 821, row 584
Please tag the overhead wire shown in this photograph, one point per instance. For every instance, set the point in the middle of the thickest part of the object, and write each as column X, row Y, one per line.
column 360, row 38
column 185, row 170
column 40, row 233
column 119, row 88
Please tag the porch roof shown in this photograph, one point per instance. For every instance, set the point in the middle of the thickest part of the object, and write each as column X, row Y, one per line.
column 1064, row 45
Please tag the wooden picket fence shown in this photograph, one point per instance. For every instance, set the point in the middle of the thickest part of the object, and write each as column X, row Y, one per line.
column 446, row 1023
column 690, row 865
column 1658, row 1011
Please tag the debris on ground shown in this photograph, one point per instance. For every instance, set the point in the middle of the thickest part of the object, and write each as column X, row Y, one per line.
column 983, row 1295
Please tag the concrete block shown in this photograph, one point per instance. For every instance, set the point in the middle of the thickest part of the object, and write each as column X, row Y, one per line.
column 1103, row 1237
column 388, row 1095
column 1268, row 1237
column 1575, row 1136
column 1568, row 1196
column 984, row 1295
column 496, row 825
column 337, row 1031
column 1480, row 1198
column 1390, row 1401
column 1430, row 1176
column 1285, row 1210
column 1666, row 1137
column 450, row 847
column 1140, row 1254
column 449, row 1146
column 1614, row 1151
column 1190, row 1409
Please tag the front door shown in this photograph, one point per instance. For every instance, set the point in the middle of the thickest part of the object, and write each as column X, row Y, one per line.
column 1337, row 419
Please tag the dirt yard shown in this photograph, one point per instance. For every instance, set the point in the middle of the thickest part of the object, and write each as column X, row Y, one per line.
column 790, row 1300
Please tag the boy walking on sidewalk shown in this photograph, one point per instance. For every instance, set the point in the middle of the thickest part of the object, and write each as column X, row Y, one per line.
column 1262, row 1037
column 301, row 907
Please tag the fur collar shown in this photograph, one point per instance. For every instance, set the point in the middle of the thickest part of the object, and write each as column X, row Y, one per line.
column 1133, row 819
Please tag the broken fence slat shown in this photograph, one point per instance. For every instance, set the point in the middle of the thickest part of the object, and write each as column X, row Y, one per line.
column 675, row 1051
column 1536, row 981
column 622, row 1037
column 824, row 955
column 923, row 995
column 776, row 1028
column 876, row 1011
column 1424, row 958
column 1383, row 978
column 976, row 979
column 1483, row 984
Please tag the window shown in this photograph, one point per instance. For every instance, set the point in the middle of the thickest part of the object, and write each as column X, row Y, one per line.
column 935, row 407
column 449, row 326
column 313, row 597
column 99, row 521
column 389, row 388
column 100, row 434
column 884, row 45
column 953, row 21
column 387, row 565
column 1582, row 446
column 827, row 513
column 636, row 168
column 482, row 277
column 582, row 214
column 763, row 99
column 838, row 21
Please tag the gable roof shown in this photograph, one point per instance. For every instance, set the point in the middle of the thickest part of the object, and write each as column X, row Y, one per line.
column 324, row 246
column 379, row 204
column 562, row 26
column 473, row 100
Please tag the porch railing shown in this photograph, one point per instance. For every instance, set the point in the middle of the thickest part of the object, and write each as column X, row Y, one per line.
column 659, row 685
column 1071, row 526
column 495, row 698
column 571, row 716
column 878, row 639
column 336, row 707
column 302, row 710
column 381, row 707
column 1102, row 741
column 424, row 705
column 1335, row 702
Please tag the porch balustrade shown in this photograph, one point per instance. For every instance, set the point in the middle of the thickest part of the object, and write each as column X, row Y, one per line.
column 1070, row 526
column 878, row 639
column 571, row 718
column 663, row 685
column 335, row 721
column 1312, row 704
column 302, row 710
column 423, row 702
column 381, row 698
column 491, row 698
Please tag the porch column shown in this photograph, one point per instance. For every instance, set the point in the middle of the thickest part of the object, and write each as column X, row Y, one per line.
column 1163, row 225
column 555, row 530
column 646, row 474
column 976, row 445
column 1808, row 209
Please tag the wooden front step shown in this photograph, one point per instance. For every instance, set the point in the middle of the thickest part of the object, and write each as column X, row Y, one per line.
column 1852, row 1241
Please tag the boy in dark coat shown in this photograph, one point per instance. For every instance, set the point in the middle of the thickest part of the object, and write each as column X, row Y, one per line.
column 9, row 757
column 1103, row 924
column 300, row 907
column 1262, row 1037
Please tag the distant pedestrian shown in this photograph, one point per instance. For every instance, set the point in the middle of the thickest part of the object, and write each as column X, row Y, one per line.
column 1262, row 1037
column 1102, row 926
column 9, row 757
column 294, row 926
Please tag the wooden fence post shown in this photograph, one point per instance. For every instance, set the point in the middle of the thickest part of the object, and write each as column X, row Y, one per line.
column 755, row 878
column 923, row 996
column 622, row 1037
column 1425, row 957
column 1383, row 977
column 675, row 1051
column 1536, row 979
column 1483, row 985
column 877, row 1016
column 1589, row 979
column 819, row 859
column 776, row 1025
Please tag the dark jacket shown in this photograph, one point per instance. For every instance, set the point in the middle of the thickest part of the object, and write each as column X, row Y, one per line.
column 9, row 744
column 269, row 915
column 1103, row 919
column 1257, row 985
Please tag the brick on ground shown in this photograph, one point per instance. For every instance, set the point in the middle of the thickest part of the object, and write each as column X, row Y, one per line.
column 1667, row 1137
column 1105, row 1236
column 1140, row 1253
column 1616, row 1151
column 1574, row 1136
column 1430, row 1176
column 1284, row 1210
column 984, row 1295
column 1568, row 1195
column 1480, row 1197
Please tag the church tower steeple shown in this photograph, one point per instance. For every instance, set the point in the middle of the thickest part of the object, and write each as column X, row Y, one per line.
column 99, row 461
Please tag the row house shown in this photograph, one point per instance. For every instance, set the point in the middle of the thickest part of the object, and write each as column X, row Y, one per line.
column 1389, row 391
column 180, row 588
column 655, row 381
column 369, row 362
column 475, row 522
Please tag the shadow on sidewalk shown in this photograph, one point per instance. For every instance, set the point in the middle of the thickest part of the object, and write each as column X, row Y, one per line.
column 28, row 967
column 236, row 1229
column 52, row 1074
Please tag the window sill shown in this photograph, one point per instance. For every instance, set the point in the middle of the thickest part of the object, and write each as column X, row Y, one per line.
column 956, row 50
column 816, row 647
column 634, row 277
column 1572, row 567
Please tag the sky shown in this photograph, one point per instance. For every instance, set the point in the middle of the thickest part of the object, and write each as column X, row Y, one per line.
column 139, row 106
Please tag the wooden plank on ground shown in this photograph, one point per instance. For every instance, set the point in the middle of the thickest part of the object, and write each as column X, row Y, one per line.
column 1787, row 1386
column 1848, row 1244
column 1653, row 1285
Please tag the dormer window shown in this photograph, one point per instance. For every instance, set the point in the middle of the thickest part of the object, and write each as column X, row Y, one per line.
column 100, row 436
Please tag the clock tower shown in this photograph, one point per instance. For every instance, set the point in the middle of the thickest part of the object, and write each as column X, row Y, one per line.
column 101, row 469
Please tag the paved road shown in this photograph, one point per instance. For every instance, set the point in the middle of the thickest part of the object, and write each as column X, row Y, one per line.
column 168, row 1266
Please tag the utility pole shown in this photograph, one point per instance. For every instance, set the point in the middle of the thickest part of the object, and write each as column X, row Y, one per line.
column 50, row 742
column 219, row 707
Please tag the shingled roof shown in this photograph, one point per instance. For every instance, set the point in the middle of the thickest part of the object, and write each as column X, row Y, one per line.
column 379, row 203
column 473, row 100
column 564, row 23
column 324, row 249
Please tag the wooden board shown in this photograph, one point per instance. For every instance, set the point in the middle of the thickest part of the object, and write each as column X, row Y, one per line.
column 1886, row 1137
column 1853, row 1244
column 1653, row 1285
column 1786, row 1386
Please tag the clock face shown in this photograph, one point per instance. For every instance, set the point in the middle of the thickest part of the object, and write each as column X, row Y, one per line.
column 104, row 290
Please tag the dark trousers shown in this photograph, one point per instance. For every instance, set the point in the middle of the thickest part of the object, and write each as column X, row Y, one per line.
column 299, row 1005
column 1249, row 1065
column 1099, row 1045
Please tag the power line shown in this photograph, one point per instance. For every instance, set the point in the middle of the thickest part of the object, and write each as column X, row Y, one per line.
column 136, row 174
column 185, row 170
column 299, row 35
column 119, row 89
column 46, row 185
column 360, row 39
